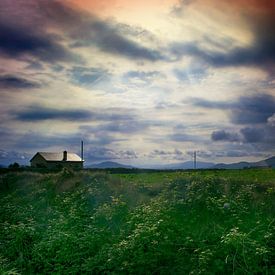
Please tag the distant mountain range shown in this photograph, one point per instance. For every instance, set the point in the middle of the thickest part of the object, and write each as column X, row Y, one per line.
column 270, row 162
column 109, row 164
column 185, row 165
column 174, row 166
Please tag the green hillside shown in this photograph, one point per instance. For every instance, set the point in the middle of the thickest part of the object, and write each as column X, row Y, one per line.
column 202, row 222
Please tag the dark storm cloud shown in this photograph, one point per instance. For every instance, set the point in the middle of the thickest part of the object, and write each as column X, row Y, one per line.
column 88, row 30
column 36, row 18
column 223, row 135
column 254, row 109
column 263, row 135
column 255, row 112
column 15, row 82
column 247, row 110
column 17, row 41
column 105, row 36
column 260, row 53
column 252, row 135
column 39, row 114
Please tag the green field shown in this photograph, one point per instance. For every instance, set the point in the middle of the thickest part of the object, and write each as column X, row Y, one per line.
column 88, row 222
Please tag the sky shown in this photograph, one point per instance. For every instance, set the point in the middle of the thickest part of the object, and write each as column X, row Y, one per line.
column 141, row 82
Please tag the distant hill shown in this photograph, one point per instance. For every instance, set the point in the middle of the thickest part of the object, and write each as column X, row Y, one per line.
column 238, row 165
column 270, row 162
column 186, row 165
column 109, row 164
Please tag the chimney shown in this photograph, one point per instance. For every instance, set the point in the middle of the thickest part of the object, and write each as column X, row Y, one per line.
column 65, row 156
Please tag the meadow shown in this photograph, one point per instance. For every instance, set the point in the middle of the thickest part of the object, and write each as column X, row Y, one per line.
column 99, row 222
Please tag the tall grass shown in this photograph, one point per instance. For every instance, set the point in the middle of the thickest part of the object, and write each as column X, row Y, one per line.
column 207, row 222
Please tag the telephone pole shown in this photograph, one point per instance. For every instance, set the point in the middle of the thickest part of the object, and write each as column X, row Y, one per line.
column 195, row 160
column 82, row 150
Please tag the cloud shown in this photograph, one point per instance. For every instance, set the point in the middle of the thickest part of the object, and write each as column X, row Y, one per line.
column 17, row 41
column 253, row 109
column 181, row 6
column 136, row 32
column 108, row 38
column 88, row 30
column 88, row 76
column 66, row 24
column 260, row 53
column 223, row 135
column 15, row 82
column 8, row 157
column 262, row 135
column 34, row 65
column 36, row 141
column 105, row 153
column 183, row 137
column 246, row 110
column 175, row 154
column 128, row 126
column 209, row 104
column 271, row 120
column 194, row 73
column 141, row 78
column 252, row 135
column 41, row 113
column 32, row 140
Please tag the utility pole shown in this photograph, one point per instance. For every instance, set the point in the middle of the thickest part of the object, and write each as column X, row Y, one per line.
column 195, row 160
column 82, row 150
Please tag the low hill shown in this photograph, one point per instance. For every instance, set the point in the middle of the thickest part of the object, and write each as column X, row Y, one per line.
column 238, row 165
column 185, row 165
column 109, row 164
column 269, row 162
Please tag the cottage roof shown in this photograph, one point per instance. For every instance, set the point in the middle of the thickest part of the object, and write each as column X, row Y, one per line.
column 49, row 156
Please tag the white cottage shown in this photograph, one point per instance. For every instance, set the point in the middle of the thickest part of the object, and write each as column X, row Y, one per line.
column 56, row 160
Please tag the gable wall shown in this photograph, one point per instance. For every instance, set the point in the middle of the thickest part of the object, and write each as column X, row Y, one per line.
column 38, row 161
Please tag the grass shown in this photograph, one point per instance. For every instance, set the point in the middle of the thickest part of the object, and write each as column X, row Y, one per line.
column 202, row 222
